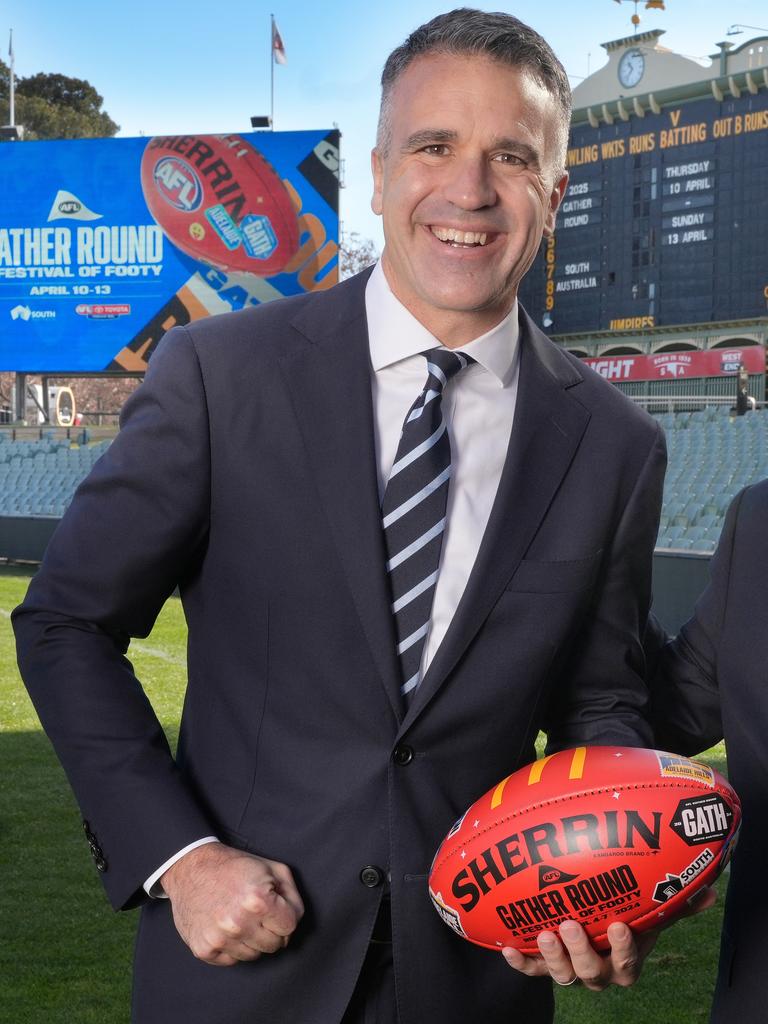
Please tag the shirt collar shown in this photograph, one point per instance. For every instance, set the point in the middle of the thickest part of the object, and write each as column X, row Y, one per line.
column 394, row 333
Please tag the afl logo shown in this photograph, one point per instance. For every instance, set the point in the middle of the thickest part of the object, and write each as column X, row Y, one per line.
column 69, row 206
column 178, row 184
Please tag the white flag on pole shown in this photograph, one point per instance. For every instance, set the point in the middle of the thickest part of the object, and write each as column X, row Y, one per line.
column 278, row 47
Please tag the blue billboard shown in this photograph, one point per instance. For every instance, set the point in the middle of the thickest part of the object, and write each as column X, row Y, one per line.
column 107, row 243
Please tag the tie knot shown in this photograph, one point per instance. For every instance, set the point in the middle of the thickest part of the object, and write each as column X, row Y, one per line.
column 443, row 364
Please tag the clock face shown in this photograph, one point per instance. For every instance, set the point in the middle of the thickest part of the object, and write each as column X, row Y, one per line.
column 631, row 68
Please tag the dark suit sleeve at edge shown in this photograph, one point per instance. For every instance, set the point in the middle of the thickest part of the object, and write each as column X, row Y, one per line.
column 137, row 526
column 685, row 700
column 600, row 695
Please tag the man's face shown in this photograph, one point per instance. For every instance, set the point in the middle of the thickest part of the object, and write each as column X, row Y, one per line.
column 467, row 188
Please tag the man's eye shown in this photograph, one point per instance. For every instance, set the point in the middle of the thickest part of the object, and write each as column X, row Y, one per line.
column 435, row 149
column 509, row 158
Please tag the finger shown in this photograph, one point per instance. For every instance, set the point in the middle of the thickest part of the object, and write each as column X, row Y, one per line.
column 224, row 954
column 286, row 886
column 263, row 905
column 531, row 966
column 265, row 940
column 219, row 960
column 245, row 943
column 704, row 899
column 246, row 928
column 242, row 952
column 556, row 958
column 278, row 916
column 625, row 956
column 593, row 969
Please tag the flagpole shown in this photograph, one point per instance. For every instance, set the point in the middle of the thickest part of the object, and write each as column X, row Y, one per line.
column 12, row 111
column 272, row 72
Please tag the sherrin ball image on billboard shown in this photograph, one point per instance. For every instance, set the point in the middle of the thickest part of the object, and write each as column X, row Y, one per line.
column 593, row 835
column 219, row 201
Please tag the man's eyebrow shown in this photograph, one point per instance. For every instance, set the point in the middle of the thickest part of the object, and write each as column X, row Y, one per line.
column 522, row 149
column 428, row 137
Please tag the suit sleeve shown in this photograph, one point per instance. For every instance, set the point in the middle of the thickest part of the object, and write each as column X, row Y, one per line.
column 599, row 695
column 136, row 528
column 685, row 699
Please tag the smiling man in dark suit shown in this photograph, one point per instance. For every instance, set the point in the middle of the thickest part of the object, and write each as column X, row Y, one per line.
column 409, row 532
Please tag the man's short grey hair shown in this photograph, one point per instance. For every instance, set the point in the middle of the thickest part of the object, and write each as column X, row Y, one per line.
column 469, row 32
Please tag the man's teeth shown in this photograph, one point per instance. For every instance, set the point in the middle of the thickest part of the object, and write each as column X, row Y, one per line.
column 460, row 237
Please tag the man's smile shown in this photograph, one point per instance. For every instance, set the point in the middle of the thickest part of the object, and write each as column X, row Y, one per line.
column 453, row 236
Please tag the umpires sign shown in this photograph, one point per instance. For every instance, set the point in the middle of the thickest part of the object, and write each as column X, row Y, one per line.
column 107, row 243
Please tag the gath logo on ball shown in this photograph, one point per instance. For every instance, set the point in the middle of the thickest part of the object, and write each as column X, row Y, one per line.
column 178, row 184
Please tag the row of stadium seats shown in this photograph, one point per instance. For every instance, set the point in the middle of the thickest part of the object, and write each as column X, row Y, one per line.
column 39, row 478
column 712, row 455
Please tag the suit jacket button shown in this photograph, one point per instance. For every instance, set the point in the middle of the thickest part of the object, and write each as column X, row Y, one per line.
column 403, row 754
column 371, row 876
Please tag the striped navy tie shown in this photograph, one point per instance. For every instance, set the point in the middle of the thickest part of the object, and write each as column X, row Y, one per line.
column 413, row 513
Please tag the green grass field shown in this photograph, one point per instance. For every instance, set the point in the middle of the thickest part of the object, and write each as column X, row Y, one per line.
column 65, row 956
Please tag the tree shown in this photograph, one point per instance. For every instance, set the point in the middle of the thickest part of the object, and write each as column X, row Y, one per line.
column 53, row 106
column 355, row 254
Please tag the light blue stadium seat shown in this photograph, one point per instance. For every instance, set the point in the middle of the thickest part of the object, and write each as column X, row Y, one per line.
column 712, row 455
column 684, row 543
column 695, row 533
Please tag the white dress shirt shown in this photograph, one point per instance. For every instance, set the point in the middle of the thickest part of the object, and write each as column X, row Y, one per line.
column 478, row 407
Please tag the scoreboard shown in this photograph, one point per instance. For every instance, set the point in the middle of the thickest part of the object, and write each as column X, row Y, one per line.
column 665, row 222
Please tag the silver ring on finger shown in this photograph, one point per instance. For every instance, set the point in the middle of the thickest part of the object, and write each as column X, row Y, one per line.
column 565, row 984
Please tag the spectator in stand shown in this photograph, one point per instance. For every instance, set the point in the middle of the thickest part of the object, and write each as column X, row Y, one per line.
column 742, row 391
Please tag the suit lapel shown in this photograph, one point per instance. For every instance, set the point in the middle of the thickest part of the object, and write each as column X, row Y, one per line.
column 548, row 427
column 330, row 383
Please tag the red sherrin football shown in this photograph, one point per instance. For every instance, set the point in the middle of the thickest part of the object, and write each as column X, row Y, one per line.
column 595, row 835
column 219, row 201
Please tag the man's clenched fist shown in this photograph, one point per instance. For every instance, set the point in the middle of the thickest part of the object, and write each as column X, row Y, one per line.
column 230, row 906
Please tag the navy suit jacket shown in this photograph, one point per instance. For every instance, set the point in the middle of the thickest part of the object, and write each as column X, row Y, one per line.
column 710, row 683
column 244, row 474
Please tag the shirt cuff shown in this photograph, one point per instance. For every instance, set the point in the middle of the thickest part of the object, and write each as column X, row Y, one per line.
column 152, row 886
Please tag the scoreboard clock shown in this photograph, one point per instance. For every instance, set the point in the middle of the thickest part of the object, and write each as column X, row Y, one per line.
column 631, row 67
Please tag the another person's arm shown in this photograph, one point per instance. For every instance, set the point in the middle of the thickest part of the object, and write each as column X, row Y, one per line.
column 685, row 701
column 598, row 694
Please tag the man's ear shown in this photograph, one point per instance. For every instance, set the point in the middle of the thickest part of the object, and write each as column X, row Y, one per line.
column 377, row 170
column 555, row 198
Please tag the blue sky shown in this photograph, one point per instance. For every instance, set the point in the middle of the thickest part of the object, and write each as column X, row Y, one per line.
column 172, row 67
